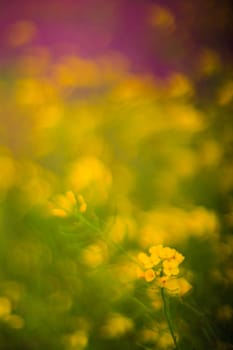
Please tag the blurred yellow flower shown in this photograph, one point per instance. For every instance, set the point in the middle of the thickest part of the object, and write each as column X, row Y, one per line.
column 14, row 321
column 59, row 212
column 82, row 203
column 77, row 340
column 92, row 176
column 65, row 205
column 94, row 255
column 117, row 325
column 140, row 273
column 177, row 286
column 5, row 307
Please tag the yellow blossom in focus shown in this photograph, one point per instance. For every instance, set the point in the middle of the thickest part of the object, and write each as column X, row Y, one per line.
column 167, row 253
column 155, row 254
column 155, row 250
column 149, row 275
column 155, row 259
column 145, row 260
column 162, row 281
column 162, row 265
column 179, row 258
column 170, row 267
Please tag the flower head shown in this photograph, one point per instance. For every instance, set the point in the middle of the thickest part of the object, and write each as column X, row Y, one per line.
column 66, row 205
column 162, row 266
column 149, row 275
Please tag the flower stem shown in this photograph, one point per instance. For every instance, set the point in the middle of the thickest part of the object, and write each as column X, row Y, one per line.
column 168, row 318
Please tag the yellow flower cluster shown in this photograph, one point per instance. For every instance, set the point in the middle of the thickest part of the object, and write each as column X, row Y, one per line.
column 65, row 205
column 162, row 265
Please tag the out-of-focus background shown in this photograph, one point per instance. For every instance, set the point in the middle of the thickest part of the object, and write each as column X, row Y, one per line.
column 128, row 104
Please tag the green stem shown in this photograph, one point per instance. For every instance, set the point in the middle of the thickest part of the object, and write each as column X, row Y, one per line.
column 168, row 318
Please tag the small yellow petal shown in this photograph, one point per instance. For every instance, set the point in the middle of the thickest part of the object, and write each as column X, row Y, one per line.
column 59, row 212
column 155, row 249
column 167, row 253
column 145, row 260
column 71, row 197
column 178, row 258
column 83, row 208
column 83, row 205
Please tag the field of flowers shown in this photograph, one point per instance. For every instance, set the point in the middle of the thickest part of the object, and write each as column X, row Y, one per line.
column 116, row 184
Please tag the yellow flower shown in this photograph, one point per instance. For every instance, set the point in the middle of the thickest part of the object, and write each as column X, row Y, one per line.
column 83, row 204
column 167, row 253
column 65, row 205
column 70, row 196
column 155, row 259
column 165, row 274
column 155, row 250
column 177, row 286
column 149, row 275
column 170, row 267
column 145, row 260
column 178, row 257
column 162, row 281
column 155, row 254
